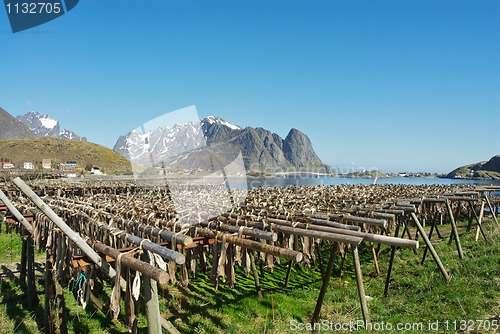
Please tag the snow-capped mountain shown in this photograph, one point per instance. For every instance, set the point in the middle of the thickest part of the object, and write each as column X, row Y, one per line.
column 46, row 126
column 167, row 143
column 215, row 142
column 217, row 120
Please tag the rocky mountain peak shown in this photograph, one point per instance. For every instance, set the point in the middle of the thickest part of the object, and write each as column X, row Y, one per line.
column 12, row 128
column 297, row 148
column 181, row 146
column 46, row 126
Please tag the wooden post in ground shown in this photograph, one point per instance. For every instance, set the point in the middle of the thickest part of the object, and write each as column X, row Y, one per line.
column 151, row 298
column 31, row 284
column 361, row 287
column 215, row 262
column 433, row 225
column 375, row 259
column 492, row 210
column 326, row 281
column 288, row 272
column 480, row 220
column 61, row 305
column 318, row 250
column 24, row 257
column 256, row 274
column 435, row 256
column 454, row 230
column 48, row 318
column 391, row 262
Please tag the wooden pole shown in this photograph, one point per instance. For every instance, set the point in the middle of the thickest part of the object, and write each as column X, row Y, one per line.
column 454, row 230
column 135, row 264
column 391, row 262
column 167, row 325
column 75, row 237
column 492, row 210
column 480, row 220
column 256, row 275
column 319, row 235
column 164, row 252
column 258, row 234
column 361, row 287
column 435, row 256
column 433, row 224
column 61, row 304
column 19, row 216
column 31, row 284
column 24, row 258
column 288, row 272
column 375, row 259
column 151, row 298
column 371, row 237
column 326, row 282
column 48, row 318
column 254, row 245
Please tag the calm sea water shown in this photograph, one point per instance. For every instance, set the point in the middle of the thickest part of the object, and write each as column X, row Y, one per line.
column 326, row 180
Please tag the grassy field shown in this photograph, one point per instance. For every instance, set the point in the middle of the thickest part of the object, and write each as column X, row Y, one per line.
column 418, row 297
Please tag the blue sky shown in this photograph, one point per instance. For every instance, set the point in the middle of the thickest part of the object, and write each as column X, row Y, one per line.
column 397, row 85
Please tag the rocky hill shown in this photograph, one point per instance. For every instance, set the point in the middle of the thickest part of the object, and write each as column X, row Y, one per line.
column 46, row 126
column 195, row 145
column 482, row 170
column 11, row 128
column 62, row 150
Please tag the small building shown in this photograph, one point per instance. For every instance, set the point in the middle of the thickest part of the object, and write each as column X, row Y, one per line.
column 95, row 170
column 46, row 163
column 28, row 165
column 6, row 165
column 71, row 164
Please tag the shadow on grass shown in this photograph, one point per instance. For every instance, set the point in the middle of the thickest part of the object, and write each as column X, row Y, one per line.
column 15, row 301
column 202, row 302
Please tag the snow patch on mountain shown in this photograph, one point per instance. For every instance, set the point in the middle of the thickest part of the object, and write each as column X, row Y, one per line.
column 217, row 120
column 48, row 122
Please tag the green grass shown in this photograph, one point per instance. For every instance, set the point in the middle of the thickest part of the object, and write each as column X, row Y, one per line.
column 417, row 294
column 10, row 246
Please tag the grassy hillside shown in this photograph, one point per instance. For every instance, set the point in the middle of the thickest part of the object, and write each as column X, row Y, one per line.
column 62, row 150
column 485, row 170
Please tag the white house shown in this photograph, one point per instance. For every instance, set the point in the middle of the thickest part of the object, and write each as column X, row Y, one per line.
column 28, row 165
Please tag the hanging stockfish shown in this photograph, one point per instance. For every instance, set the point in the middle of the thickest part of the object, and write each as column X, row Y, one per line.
column 192, row 259
column 130, row 309
column 237, row 249
column 215, row 259
column 171, row 264
column 222, row 258
column 246, row 263
column 184, row 271
column 306, row 249
column 230, row 266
